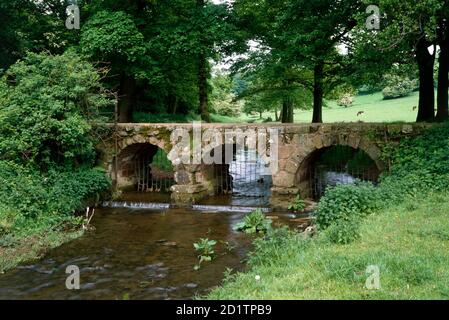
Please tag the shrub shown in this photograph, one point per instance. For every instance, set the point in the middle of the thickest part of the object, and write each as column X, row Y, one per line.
column 45, row 104
column 345, row 202
column 31, row 199
column 397, row 86
column 419, row 165
column 346, row 100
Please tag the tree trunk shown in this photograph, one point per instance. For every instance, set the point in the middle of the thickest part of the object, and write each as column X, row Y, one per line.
column 443, row 81
column 202, row 77
column 426, row 61
column 318, row 93
column 126, row 101
column 202, row 88
column 287, row 110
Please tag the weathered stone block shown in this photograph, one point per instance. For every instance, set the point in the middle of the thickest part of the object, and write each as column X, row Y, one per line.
column 284, row 179
column 291, row 166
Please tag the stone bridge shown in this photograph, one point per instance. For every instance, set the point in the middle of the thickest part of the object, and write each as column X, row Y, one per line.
column 298, row 146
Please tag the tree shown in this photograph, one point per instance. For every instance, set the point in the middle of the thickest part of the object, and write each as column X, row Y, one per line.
column 45, row 104
column 411, row 31
column 113, row 37
column 443, row 70
column 31, row 26
column 312, row 30
column 265, row 65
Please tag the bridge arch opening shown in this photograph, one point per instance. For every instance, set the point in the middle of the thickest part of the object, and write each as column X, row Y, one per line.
column 337, row 164
column 242, row 176
column 144, row 167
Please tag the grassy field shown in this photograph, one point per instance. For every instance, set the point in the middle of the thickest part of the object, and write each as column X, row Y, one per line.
column 374, row 108
column 409, row 243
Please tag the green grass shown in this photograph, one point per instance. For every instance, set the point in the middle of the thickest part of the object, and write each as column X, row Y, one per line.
column 32, row 248
column 410, row 244
column 374, row 107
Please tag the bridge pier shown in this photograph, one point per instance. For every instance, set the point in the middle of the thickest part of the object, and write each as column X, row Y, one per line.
column 192, row 184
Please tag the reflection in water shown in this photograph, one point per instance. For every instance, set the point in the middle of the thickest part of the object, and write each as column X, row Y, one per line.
column 146, row 254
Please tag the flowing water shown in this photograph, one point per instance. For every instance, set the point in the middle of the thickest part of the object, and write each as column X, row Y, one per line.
column 146, row 253
column 142, row 247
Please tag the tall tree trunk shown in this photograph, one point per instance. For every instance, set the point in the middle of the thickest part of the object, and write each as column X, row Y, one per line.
column 127, row 95
column 318, row 93
column 426, row 61
column 287, row 110
column 443, row 74
column 202, row 88
column 202, row 76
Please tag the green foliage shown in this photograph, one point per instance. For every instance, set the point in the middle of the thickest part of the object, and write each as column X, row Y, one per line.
column 274, row 244
column 30, row 200
column 410, row 249
column 47, row 143
column 419, row 166
column 114, row 37
column 222, row 99
column 345, row 202
column 344, row 231
column 397, row 86
column 255, row 222
column 161, row 162
column 298, row 204
column 206, row 251
column 45, row 102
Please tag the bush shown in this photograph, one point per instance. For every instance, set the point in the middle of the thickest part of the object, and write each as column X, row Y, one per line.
column 397, row 87
column 346, row 100
column 30, row 200
column 419, row 165
column 345, row 202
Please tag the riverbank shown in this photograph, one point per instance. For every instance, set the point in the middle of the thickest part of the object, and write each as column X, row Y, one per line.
column 19, row 251
column 409, row 243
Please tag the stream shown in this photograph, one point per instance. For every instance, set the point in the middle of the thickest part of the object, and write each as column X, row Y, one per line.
column 143, row 252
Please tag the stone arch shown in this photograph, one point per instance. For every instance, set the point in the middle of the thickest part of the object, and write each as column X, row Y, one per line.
column 229, row 175
column 141, row 139
column 132, row 153
column 320, row 143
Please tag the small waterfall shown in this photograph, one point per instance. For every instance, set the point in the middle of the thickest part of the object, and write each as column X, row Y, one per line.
column 166, row 206
column 217, row 208
column 136, row 205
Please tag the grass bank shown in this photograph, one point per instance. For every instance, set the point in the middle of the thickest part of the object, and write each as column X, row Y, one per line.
column 409, row 243
column 32, row 247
